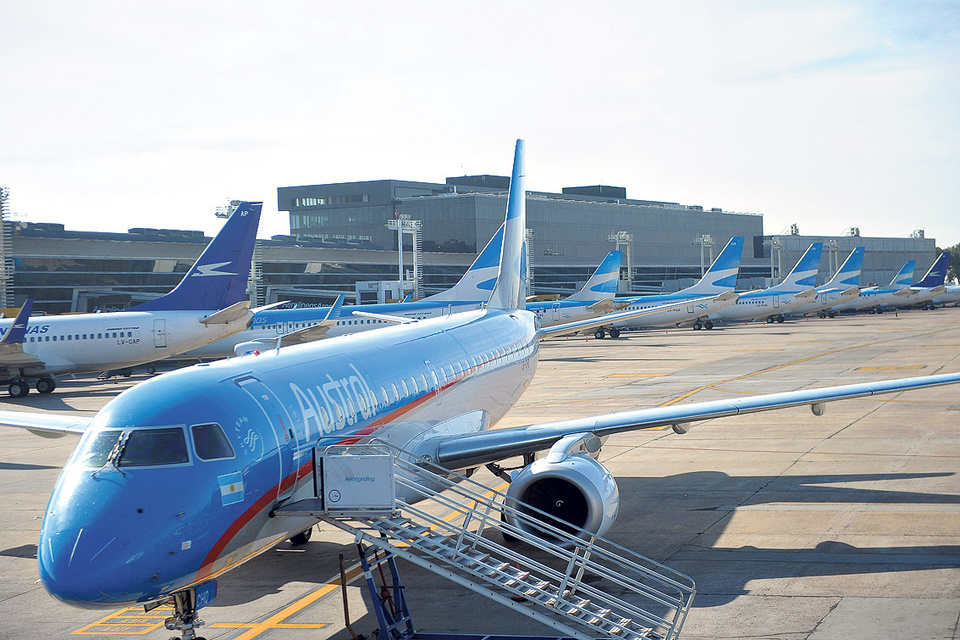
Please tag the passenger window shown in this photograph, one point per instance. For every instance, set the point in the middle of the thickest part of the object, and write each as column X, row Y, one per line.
column 403, row 384
column 413, row 384
column 147, row 447
column 210, row 442
column 396, row 394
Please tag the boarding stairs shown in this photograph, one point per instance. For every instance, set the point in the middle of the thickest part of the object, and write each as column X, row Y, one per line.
column 580, row 585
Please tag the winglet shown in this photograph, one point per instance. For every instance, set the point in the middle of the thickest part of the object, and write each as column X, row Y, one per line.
column 510, row 292
column 602, row 285
column 18, row 329
column 218, row 279
column 335, row 309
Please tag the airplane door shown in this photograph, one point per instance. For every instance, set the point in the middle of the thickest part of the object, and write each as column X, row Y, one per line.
column 282, row 427
column 689, row 308
column 776, row 302
column 160, row 333
column 556, row 311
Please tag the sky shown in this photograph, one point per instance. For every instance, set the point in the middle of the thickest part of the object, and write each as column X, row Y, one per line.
column 830, row 115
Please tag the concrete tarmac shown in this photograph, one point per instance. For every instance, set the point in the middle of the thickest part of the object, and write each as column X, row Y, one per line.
column 844, row 526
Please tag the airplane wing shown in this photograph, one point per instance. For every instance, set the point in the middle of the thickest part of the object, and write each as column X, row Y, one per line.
column 48, row 425
column 611, row 318
column 384, row 317
column 317, row 331
column 470, row 450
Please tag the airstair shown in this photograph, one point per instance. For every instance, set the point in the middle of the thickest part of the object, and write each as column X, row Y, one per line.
column 578, row 584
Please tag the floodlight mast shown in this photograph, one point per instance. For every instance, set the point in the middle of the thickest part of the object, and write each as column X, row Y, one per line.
column 624, row 239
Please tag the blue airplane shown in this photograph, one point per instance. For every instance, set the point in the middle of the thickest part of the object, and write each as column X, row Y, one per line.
column 295, row 326
column 720, row 278
column 208, row 304
column 175, row 481
column 930, row 285
column 796, row 289
column 843, row 286
column 874, row 298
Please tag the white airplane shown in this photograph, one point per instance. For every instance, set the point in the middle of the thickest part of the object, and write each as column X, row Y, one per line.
column 796, row 290
column 876, row 297
column 206, row 305
column 703, row 297
column 929, row 287
column 843, row 286
column 951, row 295
column 176, row 480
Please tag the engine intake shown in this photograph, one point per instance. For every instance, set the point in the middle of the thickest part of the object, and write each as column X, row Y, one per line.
column 572, row 488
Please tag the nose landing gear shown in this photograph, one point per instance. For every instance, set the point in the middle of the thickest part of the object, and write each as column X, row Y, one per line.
column 185, row 606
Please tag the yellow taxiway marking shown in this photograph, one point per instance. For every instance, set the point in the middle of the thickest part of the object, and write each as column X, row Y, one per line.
column 637, row 375
column 911, row 366
column 276, row 621
column 131, row 621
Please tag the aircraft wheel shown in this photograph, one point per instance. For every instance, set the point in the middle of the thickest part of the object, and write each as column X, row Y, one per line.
column 780, row 319
column 708, row 325
column 301, row 538
column 614, row 333
column 18, row 389
column 697, row 326
column 769, row 319
column 832, row 314
column 600, row 334
column 151, row 369
column 46, row 384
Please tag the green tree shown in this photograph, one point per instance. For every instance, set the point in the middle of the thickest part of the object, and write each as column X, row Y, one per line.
column 953, row 270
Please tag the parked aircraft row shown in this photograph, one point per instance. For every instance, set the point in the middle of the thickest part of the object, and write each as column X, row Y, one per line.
column 176, row 480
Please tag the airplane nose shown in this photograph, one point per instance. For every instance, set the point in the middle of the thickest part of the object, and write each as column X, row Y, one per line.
column 97, row 551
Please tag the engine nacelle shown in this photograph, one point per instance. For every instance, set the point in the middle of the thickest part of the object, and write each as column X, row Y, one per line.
column 574, row 489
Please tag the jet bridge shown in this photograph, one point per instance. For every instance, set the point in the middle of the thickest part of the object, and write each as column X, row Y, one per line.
column 578, row 584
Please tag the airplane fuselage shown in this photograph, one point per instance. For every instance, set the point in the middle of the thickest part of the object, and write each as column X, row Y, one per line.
column 105, row 341
column 207, row 453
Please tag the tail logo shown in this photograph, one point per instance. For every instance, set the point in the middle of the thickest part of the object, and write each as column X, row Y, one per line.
column 204, row 270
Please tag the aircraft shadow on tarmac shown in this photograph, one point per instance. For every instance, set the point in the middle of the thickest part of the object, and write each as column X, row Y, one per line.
column 678, row 519
column 683, row 517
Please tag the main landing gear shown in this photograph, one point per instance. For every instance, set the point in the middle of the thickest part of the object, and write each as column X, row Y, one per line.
column 600, row 333
column 19, row 388
column 777, row 318
column 703, row 325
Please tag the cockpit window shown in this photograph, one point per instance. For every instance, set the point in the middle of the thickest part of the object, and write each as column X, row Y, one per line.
column 146, row 447
column 210, row 442
column 133, row 448
column 94, row 452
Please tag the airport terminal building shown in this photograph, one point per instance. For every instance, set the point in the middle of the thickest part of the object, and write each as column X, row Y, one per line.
column 339, row 237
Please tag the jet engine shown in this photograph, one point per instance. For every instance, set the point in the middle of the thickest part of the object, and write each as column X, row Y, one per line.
column 569, row 486
column 246, row 348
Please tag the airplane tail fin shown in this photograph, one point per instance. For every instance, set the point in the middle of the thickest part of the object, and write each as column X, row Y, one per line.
column 478, row 281
column 219, row 277
column 722, row 274
column 510, row 291
column 848, row 275
column 19, row 327
column 904, row 277
column 602, row 285
column 804, row 274
column 937, row 274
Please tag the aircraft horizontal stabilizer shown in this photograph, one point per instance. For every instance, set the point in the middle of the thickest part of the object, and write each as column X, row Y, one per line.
column 231, row 314
column 470, row 450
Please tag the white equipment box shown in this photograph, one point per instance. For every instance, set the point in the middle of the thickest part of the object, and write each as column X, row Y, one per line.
column 356, row 480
